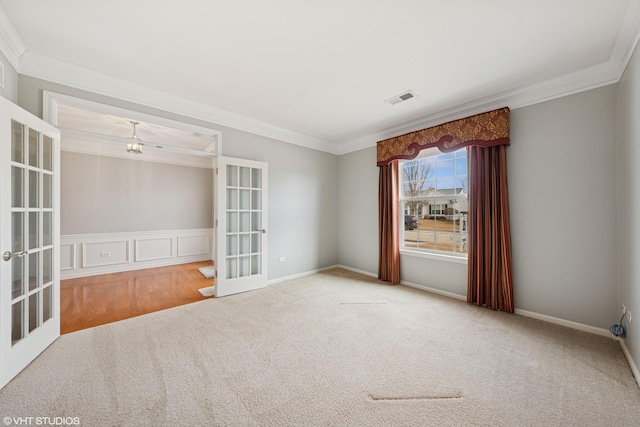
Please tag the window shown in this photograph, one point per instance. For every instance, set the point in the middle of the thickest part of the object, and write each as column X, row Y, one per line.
column 434, row 190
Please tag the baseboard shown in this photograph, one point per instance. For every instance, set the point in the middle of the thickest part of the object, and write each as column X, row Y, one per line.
column 526, row 313
column 563, row 322
column 74, row 274
column 299, row 275
column 632, row 363
column 355, row 270
column 434, row 290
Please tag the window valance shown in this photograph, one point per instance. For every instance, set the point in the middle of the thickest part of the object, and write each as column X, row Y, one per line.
column 486, row 129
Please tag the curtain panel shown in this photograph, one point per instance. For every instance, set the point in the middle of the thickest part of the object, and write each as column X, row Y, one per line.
column 490, row 282
column 485, row 130
column 389, row 224
column 489, row 239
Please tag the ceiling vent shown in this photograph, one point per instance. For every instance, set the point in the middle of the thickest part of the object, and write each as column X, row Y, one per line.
column 400, row 98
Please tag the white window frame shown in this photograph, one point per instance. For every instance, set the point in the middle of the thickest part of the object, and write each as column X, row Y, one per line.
column 456, row 257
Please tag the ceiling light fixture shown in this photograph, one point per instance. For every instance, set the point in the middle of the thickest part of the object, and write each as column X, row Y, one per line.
column 135, row 146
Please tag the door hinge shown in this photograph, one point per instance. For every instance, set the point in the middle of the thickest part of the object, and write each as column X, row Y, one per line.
column 216, row 222
column 216, row 171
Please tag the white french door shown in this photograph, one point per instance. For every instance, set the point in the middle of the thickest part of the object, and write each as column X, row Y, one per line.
column 241, row 232
column 29, row 238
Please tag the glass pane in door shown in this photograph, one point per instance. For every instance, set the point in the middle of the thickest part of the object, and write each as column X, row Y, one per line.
column 17, row 187
column 34, row 148
column 17, row 277
column 34, row 187
column 34, row 232
column 17, row 321
column 47, row 153
column 47, row 228
column 17, row 142
column 17, row 231
column 47, row 266
column 244, row 177
column 34, row 270
column 47, row 191
column 47, row 303
column 33, row 311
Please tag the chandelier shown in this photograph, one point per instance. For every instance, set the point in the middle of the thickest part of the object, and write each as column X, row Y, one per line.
column 136, row 145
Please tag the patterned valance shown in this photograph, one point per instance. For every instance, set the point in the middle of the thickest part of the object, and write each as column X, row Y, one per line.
column 486, row 129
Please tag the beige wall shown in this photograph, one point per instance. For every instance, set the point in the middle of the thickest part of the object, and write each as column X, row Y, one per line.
column 629, row 200
column 303, row 201
column 562, row 185
column 10, row 90
column 110, row 195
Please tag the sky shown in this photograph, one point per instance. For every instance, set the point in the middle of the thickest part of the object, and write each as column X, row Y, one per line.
column 448, row 170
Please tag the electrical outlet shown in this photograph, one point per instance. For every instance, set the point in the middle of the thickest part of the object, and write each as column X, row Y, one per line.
column 623, row 308
column 105, row 254
column 282, row 259
column 629, row 317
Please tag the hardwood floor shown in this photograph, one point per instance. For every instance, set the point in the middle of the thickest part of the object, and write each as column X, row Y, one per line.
column 91, row 301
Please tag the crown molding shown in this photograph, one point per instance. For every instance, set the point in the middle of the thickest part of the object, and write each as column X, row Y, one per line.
column 627, row 39
column 56, row 71
column 593, row 77
column 11, row 44
column 569, row 84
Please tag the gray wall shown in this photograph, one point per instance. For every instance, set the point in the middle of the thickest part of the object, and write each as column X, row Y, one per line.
column 358, row 229
column 562, row 187
column 562, row 181
column 107, row 195
column 629, row 198
column 358, row 201
column 303, row 201
column 10, row 90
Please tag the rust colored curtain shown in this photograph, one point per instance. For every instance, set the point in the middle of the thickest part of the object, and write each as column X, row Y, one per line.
column 388, row 224
column 490, row 278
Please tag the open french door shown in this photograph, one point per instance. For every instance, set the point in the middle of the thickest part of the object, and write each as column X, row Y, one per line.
column 29, row 238
column 241, row 232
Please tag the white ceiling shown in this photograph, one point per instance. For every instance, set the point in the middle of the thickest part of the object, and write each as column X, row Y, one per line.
column 87, row 122
column 317, row 73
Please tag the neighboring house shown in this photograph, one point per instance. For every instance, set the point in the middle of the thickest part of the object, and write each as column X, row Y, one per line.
column 445, row 203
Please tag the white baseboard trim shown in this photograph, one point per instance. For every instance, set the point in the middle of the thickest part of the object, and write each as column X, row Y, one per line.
column 632, row 363
column 526, row 313
column 563, row 322
column 299, row 275
column 355, row 270
column 132, row 267
column 434, row 291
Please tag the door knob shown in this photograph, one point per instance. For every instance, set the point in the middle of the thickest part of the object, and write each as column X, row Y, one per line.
column 263, row 231
column 8, row 255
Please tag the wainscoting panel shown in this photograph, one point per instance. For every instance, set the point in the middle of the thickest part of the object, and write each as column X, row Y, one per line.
column 91, row 254
column 97, row 254
column 193, row 245
column 67, row 256
column 153, row 249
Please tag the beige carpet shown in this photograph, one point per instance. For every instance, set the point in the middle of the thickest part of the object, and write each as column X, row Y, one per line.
column 331, row 349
